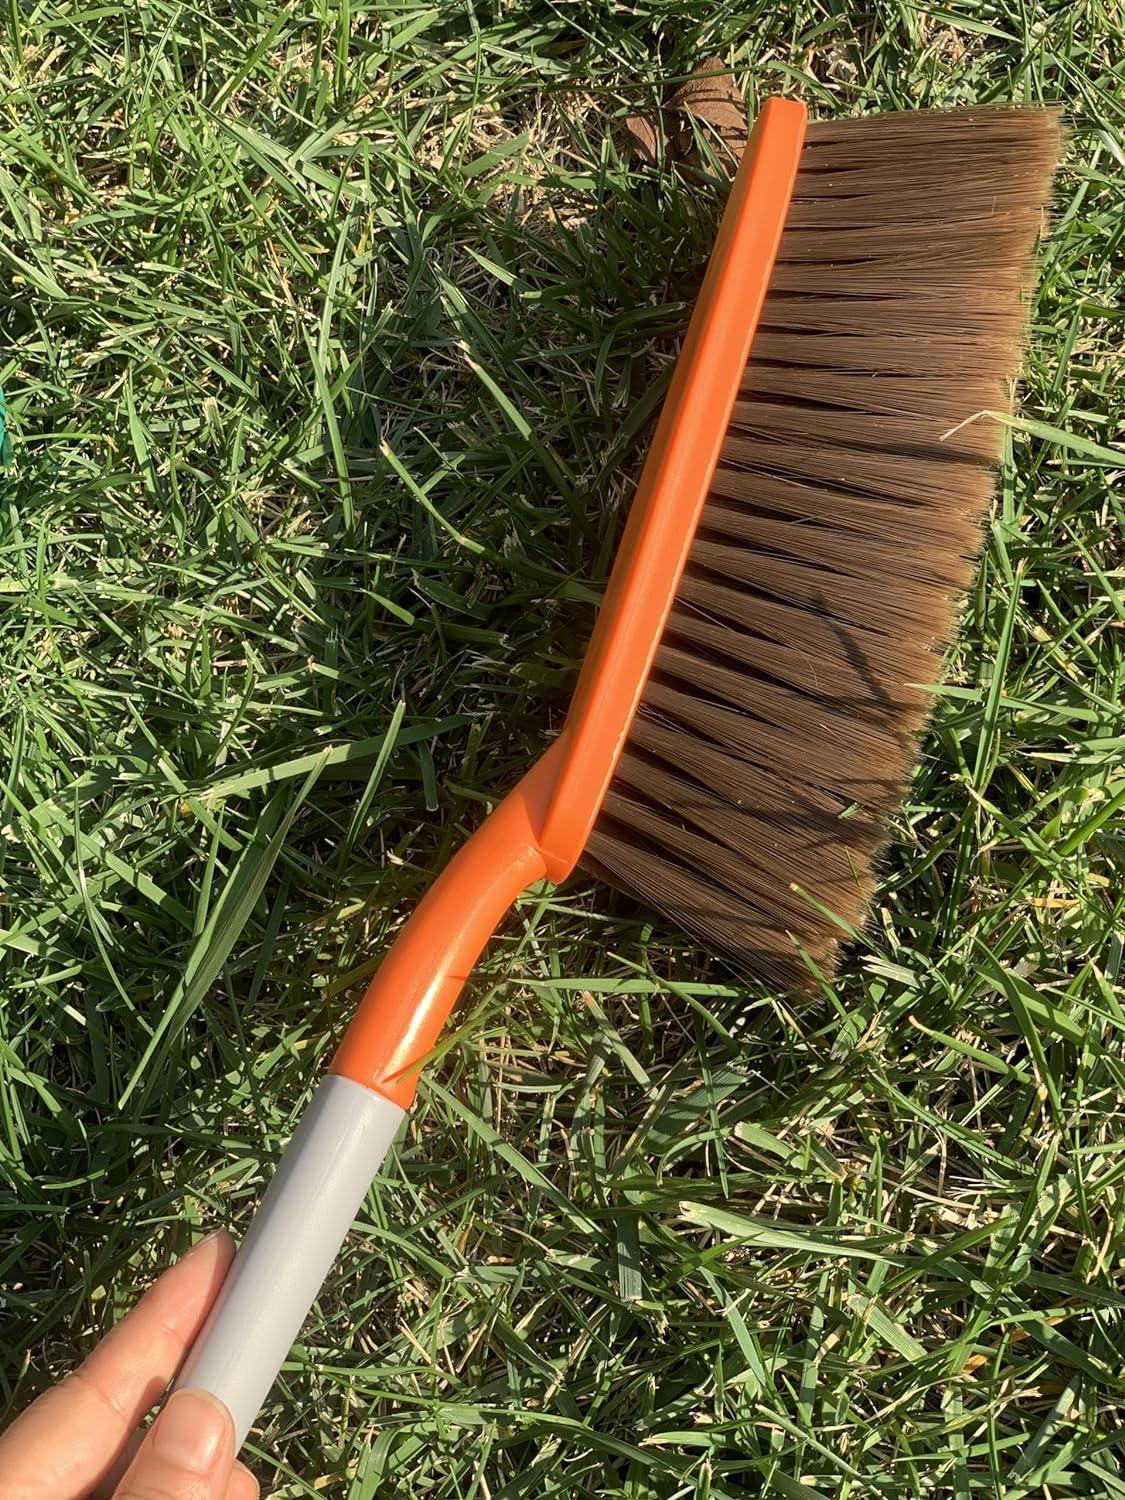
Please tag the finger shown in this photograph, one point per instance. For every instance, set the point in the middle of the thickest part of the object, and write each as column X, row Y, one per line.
column 99, row 1406
column 243, row 1485
column 187, row 1455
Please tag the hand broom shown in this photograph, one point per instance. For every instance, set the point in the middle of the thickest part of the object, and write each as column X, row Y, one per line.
column 746, row 716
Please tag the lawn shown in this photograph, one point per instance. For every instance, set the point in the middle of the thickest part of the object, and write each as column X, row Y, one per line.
column 327, row 335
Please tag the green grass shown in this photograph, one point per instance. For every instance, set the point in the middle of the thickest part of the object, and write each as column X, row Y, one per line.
column 326, row 337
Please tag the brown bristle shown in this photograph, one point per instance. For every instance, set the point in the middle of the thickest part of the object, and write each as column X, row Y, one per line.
column 779, row 724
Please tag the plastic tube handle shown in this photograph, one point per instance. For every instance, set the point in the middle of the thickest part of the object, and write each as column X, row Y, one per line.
column 290, row 1246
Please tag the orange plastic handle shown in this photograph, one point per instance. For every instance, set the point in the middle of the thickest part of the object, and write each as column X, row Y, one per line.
column 541, row 827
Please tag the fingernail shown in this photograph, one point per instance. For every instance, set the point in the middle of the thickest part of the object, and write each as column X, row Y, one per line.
column 192, row 1433
column 206, row 1240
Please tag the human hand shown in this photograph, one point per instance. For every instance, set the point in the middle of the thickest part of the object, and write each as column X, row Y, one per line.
column 79, row 1438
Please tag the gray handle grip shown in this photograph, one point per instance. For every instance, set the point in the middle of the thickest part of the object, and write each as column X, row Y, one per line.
column 290, row 1246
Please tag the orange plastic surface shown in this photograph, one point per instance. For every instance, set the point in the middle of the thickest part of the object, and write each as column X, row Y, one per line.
column 541, row 827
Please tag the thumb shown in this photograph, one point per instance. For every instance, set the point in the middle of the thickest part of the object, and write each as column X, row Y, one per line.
column 187, row 1455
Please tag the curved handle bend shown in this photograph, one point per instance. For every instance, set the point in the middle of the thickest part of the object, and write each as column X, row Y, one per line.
column 406, row 1005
